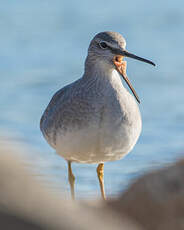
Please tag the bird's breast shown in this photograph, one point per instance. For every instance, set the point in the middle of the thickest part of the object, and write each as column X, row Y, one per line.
column 100, row 124
column 121, row 123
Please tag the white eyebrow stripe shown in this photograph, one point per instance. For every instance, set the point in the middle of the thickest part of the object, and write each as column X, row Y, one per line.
column 113, row 45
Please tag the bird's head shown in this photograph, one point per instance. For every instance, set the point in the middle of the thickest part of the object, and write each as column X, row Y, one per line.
column 108, row 49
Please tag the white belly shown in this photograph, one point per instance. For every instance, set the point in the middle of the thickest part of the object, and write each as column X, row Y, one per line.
column 103, row 138
column 93, row 144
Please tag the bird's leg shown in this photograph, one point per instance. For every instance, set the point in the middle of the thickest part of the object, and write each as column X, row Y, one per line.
column 71, row 179
column 100, row 173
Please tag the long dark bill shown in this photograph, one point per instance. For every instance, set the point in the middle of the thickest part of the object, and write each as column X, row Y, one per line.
column 130, row 55
column 125, row 53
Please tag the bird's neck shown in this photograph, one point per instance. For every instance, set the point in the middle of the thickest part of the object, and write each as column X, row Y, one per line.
column 106, row 78
column 97, row 67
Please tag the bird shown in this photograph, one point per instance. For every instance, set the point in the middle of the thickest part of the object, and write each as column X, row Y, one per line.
column 96, row 119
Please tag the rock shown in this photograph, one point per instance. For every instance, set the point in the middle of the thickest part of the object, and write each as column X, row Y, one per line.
column 156, row 201
column 26, row 204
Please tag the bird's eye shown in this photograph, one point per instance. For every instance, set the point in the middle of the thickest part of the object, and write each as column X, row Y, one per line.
column 103, row 45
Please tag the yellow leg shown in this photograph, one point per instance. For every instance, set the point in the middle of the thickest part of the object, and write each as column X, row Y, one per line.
column 71, row 180
column 100, row 173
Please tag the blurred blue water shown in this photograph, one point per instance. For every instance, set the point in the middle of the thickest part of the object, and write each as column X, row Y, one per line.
column 43, row 45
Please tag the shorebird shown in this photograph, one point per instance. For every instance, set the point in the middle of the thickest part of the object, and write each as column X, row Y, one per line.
column 95, row 119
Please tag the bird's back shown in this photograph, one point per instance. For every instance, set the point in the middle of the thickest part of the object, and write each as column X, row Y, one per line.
column 55, row 114
column 89, row 120
column 71, row 108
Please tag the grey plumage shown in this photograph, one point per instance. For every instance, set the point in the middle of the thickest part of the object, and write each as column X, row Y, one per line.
column 94, row 119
